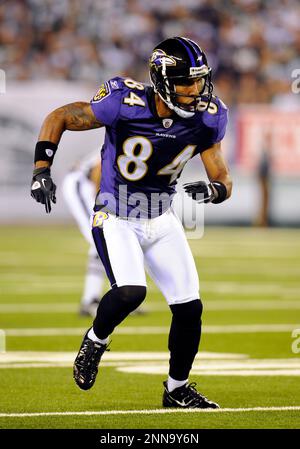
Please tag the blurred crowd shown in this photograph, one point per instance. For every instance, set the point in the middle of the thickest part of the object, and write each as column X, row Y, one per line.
column 252, row 45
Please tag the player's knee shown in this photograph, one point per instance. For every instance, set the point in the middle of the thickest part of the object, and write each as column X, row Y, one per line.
column 132, row 294
column 189, row 313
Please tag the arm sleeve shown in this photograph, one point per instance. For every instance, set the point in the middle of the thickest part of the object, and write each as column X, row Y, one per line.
column 106, row 103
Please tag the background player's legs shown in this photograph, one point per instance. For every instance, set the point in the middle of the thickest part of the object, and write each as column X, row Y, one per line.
column 79, row 194
column 93, row 283
column 171, row 265
column 122, row 257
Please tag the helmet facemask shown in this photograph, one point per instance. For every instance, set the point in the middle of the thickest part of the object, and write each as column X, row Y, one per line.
column 168, row 71
column 200, row 101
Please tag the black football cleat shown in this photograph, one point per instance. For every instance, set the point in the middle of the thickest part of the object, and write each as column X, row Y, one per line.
column 186, row 397
column 85, row 367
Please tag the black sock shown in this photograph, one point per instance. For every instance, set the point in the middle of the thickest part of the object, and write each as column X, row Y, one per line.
column 115, row 306
column 184, row 337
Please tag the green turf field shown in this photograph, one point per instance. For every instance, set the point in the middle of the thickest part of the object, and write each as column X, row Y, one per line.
column 249, row 360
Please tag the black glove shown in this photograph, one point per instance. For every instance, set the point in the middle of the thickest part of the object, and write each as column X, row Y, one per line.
column 43, row 188
column 200, row 191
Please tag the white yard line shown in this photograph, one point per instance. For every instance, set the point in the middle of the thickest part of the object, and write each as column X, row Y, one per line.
column 41, row 289
column 223, row 287
column 239, row 288
column 162, row 371
column 221, row 369
column 150, row 412
column 156, row 307
column 152, row 330
column 230, row 266
column 221, row 305
column 114, row 356
column 206, row 363
column 39, row 308
column 242, row 254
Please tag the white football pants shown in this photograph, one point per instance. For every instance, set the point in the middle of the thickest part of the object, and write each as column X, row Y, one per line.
column 158, row 244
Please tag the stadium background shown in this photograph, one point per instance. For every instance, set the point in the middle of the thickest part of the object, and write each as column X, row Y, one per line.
column 58, row 51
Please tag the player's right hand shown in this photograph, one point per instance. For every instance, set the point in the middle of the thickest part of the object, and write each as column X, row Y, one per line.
column 200, row 191
column 43, row 188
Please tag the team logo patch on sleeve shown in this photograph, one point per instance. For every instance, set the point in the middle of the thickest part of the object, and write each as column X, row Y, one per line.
column 104, row 91
column 99, row 218
column 114, row 84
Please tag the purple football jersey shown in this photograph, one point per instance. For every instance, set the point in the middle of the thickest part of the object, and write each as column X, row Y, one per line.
column 143, row 155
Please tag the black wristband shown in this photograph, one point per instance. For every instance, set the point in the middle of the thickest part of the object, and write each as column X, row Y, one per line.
column 222, row 192
column 45, row 151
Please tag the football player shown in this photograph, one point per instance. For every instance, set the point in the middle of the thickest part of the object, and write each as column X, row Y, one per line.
column 151, row 132
column 79, row 188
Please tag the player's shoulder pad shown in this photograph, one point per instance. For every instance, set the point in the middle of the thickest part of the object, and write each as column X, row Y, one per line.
column 106, row 89
column 222, row 106
column 217, row 111
column 129, row 84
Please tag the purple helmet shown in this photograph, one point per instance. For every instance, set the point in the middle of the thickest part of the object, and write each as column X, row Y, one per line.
column 179, row 61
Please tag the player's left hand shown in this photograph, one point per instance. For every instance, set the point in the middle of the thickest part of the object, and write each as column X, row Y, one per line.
column 43, row 188
column 200, row 191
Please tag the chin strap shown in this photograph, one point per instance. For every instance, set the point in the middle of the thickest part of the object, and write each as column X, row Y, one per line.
column 176, row 109
column 182, row 113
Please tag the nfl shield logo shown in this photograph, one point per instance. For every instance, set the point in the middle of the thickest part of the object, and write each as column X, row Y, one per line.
column 167, row 122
